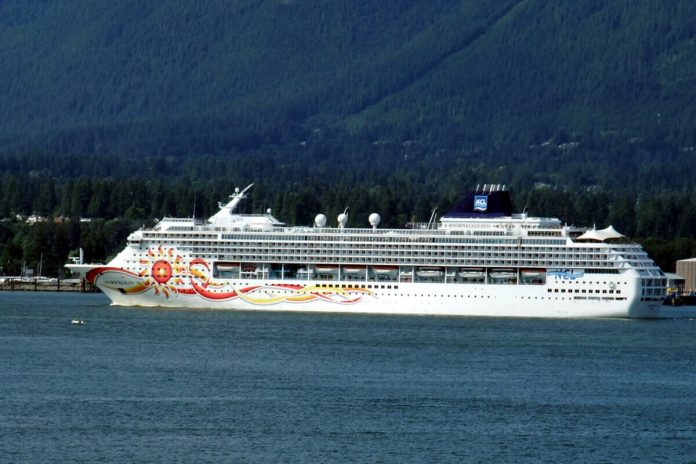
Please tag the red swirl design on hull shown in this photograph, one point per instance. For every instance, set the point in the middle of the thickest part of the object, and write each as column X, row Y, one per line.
column 202, row 289
column 165, row 277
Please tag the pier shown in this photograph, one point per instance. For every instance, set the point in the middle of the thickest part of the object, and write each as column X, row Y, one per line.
column 12, row 284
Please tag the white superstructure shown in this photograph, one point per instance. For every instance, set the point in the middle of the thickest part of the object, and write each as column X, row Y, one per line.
column 479, row 260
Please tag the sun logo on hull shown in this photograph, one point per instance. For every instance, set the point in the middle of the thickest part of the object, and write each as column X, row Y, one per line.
column 163, row 270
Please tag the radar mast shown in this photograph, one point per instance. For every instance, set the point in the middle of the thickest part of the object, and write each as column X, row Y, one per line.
column 236, row 197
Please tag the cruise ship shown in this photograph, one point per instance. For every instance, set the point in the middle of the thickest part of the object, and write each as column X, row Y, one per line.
column 480, row 259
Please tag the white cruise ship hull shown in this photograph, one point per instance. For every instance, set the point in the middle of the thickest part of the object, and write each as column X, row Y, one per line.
column 490, row 300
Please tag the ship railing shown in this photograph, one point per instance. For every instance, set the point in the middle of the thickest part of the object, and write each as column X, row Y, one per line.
column 173, row 219
column 185, row 225
column 416, row 232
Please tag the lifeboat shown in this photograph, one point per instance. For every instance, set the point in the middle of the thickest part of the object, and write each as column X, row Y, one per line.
column 325, row 268
column 353, row 269
column 385, row 270
column 225, row 267
column 430, row 272
column 502, row 274
column 471, row 273
column 532, row 273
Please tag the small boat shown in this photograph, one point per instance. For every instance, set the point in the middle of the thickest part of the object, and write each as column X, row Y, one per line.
column 353, row 270
column 225, row 267
column 473, row 273
column 77, row 322
column 385, row 270
column 325, row 268
column 429, row 272
column 532, row 273
column 502, row 274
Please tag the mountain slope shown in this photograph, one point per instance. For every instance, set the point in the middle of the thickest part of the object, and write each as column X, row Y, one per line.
column 210, row 76
column 571, row 67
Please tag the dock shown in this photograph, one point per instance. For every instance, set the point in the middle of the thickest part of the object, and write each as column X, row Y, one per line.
column 10, row 284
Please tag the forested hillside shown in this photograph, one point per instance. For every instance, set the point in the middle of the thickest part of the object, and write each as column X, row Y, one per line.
column 127, row 111
column 176, row 76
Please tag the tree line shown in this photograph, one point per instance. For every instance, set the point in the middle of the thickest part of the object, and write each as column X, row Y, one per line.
column 641, row 197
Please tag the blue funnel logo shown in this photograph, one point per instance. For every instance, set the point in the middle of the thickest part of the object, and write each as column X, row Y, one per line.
column 480, row 202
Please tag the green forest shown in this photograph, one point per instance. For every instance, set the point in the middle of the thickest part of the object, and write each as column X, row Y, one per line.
column 124, row 112
column 401, row 184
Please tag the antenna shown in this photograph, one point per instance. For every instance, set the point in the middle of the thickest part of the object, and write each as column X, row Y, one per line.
column 194, row 206
column 237, row 197
column 431, row 222
column 248, row 187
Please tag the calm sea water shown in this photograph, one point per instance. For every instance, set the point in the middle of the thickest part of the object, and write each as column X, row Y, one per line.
column 144, row 385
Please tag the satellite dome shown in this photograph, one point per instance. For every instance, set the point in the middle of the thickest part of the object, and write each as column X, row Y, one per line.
column 342, row 219
column 374, row 220
column 320, row 220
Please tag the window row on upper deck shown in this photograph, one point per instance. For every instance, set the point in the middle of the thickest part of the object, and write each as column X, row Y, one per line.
column 483, row 238
column 401, row 243
column 432, row 255
column 394, row 248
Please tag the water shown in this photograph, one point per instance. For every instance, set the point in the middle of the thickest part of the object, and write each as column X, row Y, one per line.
column 144, row 385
